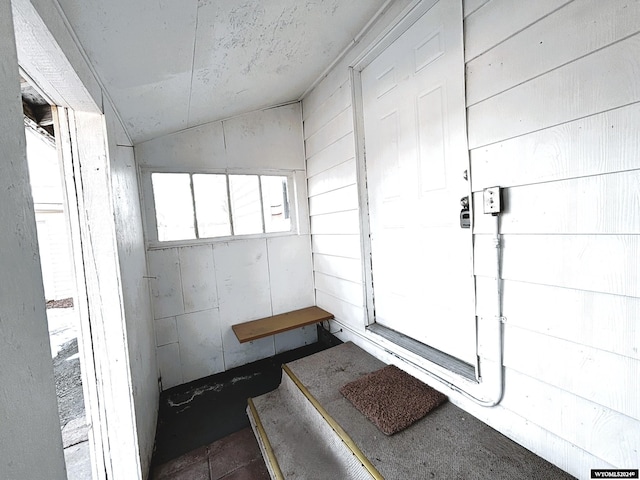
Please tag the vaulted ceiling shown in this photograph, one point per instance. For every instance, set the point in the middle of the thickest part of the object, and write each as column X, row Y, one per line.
column 173, row 64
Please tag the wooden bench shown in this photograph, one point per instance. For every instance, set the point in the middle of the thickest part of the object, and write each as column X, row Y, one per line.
column 264, row 327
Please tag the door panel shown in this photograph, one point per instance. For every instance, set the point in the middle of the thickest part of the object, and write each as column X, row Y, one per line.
column 415, row 154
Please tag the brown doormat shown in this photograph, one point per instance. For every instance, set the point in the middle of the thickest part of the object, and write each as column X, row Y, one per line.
column 392, row 399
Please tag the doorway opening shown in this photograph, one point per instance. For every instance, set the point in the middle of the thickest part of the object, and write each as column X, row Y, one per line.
column 54, row 244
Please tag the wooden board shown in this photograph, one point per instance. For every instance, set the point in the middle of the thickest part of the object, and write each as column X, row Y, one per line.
column 335, row 129
column 557, row 39
column 551, row 98
column 248, row 331
column 498, row 20
column 340, row 176
column 590, row 146
column 332, row 155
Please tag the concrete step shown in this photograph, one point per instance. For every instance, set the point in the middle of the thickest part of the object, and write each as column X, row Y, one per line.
column 316, row 433
column 296, row 441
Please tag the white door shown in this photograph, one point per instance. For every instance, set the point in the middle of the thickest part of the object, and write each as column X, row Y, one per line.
column 416, row 155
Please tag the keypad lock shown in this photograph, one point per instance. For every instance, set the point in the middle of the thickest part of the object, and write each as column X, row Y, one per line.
column 465, row 214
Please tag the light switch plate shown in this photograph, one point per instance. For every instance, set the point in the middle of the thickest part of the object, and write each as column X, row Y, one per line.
column 491, row 200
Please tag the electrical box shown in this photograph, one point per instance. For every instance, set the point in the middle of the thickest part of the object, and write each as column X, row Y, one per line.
column 491, row 200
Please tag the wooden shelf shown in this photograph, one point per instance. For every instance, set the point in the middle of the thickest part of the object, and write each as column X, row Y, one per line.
column 264, row 327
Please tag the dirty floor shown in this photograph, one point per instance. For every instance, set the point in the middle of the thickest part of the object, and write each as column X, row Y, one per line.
column 203, row 430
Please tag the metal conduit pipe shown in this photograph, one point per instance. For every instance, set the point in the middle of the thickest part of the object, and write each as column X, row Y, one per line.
column 488, row 391
column 490, row 337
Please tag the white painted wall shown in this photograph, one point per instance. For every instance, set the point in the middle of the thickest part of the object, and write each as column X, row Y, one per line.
column 552, row 97
column 135, row 286
column 200, row 289
column 48, row 52
column 30, row 439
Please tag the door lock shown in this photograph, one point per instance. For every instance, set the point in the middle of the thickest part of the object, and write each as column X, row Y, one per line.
column 465, row 214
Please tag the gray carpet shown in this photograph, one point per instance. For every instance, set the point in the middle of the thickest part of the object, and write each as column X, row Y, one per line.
column 392, row 399
column 447, row 444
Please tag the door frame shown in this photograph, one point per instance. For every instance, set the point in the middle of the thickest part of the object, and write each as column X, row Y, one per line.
column 106, row 377
column 405, row 20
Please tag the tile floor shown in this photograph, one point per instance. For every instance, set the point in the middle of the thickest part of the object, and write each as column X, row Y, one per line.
column 234, row 457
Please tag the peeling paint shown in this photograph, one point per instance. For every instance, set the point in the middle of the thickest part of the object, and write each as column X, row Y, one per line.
column 217, row 387
column 244, row 377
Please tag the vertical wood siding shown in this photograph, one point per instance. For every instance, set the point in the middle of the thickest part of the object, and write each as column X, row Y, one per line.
column 553, row 105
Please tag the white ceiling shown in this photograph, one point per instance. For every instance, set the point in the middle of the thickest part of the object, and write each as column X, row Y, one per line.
column 174, row 64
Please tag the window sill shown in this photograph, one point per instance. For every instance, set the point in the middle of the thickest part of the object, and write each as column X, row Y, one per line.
column 156, row 245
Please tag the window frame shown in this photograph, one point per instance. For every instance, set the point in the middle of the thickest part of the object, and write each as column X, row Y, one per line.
column 149, row 214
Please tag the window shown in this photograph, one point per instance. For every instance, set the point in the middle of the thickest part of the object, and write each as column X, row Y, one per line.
column 206, row 205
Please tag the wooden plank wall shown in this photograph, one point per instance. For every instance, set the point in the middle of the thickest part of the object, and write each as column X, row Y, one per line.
column 552, row 101
column 553, row 109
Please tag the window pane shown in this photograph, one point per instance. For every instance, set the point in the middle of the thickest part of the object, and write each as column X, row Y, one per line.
column 174, row 206
column 212, row 205
column 275, row 201
column 245, row 204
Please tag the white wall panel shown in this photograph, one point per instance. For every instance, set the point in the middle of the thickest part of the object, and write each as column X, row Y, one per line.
column 351, row 292
column 242, row 273
column 169, row 365
column 237, row 354
column 604, row 378
column 166, row 331
column 335, row 129
column 598, row 144
column 298, row 337
column 498, row 20
column 290, row 275
column 166, row 285
column 339, row 100
column 334, row 201
column 265, row 139
column 470, row 6
column 602, row 321
column 342, row 223
column 197, row 147
column 572, row 32
column 200, row 344
column 609, row 435
column 344, row 312
column 599, row 263
column 340, row 267
column 337, row 245
column 340, row 176
column 573, row 206
column 255, row 278
column 553, row 448
column 338, row 152
column 324, row 90
column 197, row 274
column 562, row 95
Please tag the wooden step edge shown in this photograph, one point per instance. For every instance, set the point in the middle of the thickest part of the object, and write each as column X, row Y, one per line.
column 344, row 436
column 265, row 444
column 264, row 327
